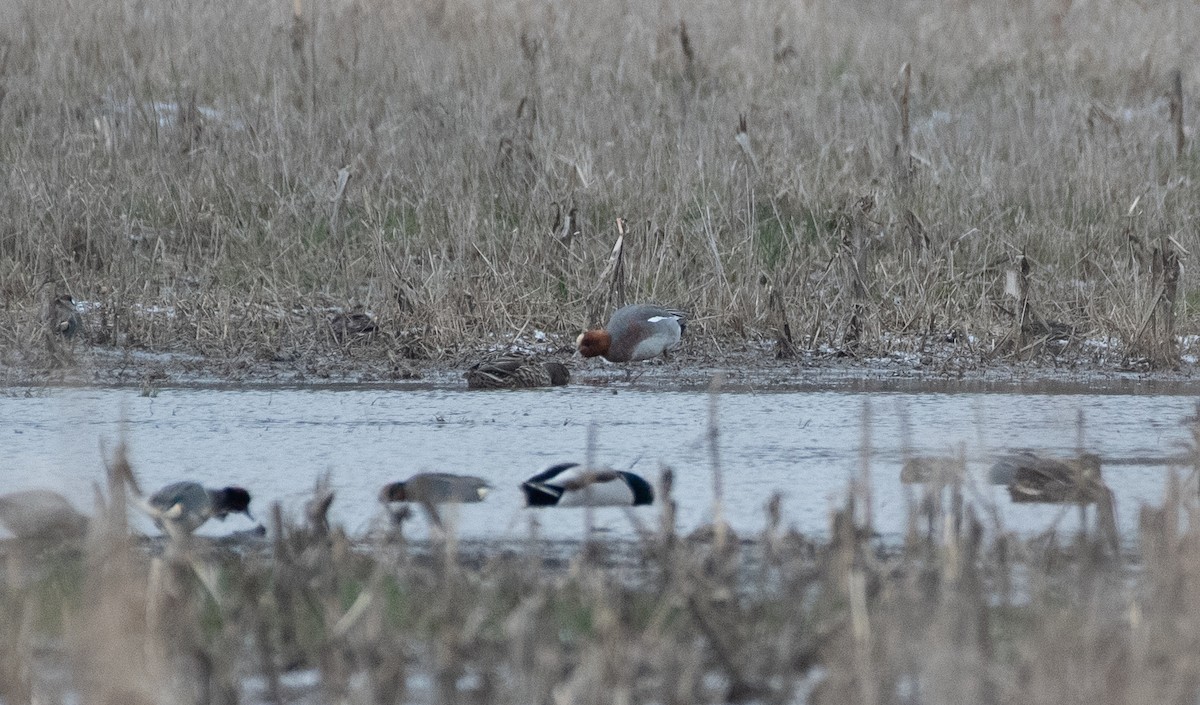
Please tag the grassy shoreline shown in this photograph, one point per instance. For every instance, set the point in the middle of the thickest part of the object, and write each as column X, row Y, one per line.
column 219, row 179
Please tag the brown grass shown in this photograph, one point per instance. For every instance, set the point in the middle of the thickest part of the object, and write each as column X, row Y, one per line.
column 958, row 613
column 223, row 177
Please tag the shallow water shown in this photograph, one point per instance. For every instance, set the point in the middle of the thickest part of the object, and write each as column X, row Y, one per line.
column 805, row 444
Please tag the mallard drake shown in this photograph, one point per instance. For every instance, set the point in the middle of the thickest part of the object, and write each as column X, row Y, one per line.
column 1075, row 480
column 182, row 507
column 636, row 332
column 41, row 514
column 570, row 485
column 515, row 371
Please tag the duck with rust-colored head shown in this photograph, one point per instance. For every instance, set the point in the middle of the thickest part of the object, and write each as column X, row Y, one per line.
column 633, row 333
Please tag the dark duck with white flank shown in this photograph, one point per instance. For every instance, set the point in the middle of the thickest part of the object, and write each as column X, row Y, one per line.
column 571, row 485
column 182, row 507
column 636, row 332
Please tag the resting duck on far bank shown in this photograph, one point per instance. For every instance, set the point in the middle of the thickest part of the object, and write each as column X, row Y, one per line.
column 516, row 371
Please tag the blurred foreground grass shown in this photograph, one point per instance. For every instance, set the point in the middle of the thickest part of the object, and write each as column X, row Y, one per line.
column 959, row 612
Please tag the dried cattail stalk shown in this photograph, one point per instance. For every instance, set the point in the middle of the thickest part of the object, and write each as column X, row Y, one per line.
column 690, row 72
column 903, row 147
column 1177, row 111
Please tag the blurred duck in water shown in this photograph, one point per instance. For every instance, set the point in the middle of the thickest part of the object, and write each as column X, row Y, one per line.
column 41, row 515
column 430, row 489
column 1074, row 481
column 935, row 470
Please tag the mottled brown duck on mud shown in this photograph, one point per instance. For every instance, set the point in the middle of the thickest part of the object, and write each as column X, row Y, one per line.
column 516, row 371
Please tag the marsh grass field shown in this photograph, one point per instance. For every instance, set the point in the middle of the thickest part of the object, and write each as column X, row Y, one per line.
column 396, row 187
column 235, row 181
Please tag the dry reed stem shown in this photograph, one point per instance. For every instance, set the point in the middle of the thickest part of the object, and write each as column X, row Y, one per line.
column 1176, row 105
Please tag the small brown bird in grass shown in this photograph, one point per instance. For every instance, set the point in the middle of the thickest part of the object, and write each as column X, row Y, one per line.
column 515, row 371
column 1073, row 481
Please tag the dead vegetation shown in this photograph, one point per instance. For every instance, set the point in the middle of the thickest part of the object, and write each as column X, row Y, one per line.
column 271, row 180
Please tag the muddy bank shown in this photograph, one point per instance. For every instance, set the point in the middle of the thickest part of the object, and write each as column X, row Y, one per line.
column 741, row 364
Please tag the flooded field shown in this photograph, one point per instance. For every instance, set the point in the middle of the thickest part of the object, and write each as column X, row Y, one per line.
column 808, row 445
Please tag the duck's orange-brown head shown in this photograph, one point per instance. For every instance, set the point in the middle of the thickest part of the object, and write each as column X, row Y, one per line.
column 593, row 342
column 393, row 492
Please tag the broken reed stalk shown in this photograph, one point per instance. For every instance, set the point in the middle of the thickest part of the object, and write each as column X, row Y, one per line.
column 300, row 37
column 714, row 455
column 864, row 468
column 614, row 271
column 785, row 348
column 1165, row 269
column 856, row 261
column 339, row 197
column 589, row 463
column 1016, row 285
column 903, row 146
column 689, row 57
column 1177, row 111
